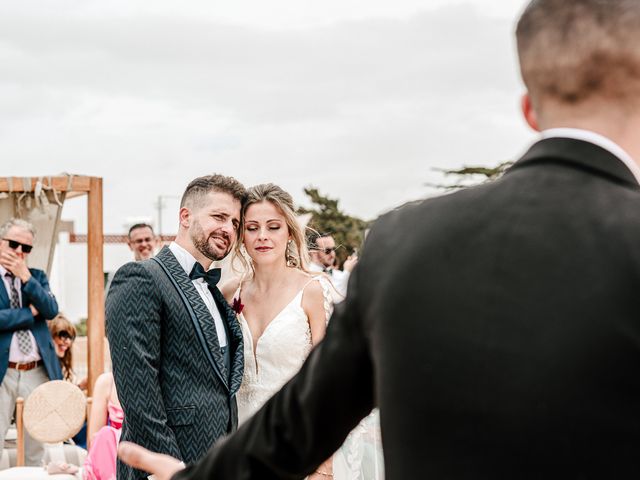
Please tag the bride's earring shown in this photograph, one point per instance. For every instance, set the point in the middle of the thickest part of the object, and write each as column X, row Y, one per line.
column 289, row 256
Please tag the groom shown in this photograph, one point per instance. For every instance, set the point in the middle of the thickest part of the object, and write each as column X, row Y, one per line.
column 176, row 348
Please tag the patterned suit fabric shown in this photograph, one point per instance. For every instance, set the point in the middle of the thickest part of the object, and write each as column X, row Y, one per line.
column 172, row 384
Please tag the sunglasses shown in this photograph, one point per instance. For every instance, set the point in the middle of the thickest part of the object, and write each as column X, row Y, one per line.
column 14, row 245
column 63, row 334
column 326, row 251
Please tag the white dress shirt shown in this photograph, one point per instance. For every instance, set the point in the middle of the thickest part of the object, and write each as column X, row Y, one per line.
column 597, row 139
column 15, row 355
column 186, row 261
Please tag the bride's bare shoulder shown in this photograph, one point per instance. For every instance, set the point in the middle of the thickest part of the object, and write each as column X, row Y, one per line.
column 229, row 288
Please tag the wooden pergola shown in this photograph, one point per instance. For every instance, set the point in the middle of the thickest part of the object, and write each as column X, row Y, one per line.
column 74, row 186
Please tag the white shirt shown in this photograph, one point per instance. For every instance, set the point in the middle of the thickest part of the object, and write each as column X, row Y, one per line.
column 597, row 139
column 186, row 261
column 15, row 355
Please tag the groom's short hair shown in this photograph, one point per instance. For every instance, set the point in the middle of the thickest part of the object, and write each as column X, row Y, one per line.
column 198, row 189
column 576, row 50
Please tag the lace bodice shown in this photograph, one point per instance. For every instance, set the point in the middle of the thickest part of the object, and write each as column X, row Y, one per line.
column 279, row 353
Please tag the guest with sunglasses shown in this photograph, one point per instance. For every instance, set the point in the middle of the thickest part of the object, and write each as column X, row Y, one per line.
column 63, row 333
column 27, row 355
column 322, row 251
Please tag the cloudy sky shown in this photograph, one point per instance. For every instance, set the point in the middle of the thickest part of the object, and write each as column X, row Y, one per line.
column 363, row 99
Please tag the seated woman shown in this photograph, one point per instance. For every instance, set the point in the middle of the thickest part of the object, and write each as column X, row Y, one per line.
column 63, row 333
column 105, row 426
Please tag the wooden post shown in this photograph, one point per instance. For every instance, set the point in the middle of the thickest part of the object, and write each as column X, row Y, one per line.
column 20, row 432
column 95, row 320
column 89, row 432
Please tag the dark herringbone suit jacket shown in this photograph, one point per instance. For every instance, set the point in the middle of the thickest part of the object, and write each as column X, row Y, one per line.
column 177, row 395
column 497, row 328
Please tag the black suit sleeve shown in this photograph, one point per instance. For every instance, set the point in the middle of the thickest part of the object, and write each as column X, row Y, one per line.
column 134, row 330
column 304, row 423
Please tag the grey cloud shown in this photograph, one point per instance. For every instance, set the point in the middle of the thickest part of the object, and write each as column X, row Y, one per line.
column 261, row 75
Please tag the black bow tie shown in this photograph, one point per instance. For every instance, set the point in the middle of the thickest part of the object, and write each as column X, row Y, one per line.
column 211, row 276
column 328, row 271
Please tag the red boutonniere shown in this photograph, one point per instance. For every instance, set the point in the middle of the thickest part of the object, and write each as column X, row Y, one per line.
column 237, row 306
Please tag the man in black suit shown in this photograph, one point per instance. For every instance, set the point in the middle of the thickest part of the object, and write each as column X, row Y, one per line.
column 502, row 337
column 175, row 343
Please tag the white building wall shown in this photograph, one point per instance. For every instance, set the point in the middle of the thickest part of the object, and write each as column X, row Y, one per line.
column 69, row 273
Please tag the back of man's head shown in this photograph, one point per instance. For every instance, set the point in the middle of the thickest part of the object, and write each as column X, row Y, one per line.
column 575, row 51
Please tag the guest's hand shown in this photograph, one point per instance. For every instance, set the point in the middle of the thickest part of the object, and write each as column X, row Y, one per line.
column 16, row 265
column 350, row 263
column 163, row 467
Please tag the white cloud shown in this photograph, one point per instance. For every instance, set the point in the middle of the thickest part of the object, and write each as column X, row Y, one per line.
column 360, row 101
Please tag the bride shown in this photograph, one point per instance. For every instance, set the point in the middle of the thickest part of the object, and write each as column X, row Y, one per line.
column 283, row 310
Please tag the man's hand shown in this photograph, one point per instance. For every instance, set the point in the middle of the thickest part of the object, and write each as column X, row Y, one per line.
column 34, row 311
column 16, row 265
column 350, row 263
column 163, row 467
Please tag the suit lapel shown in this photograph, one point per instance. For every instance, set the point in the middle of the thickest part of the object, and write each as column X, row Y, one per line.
column 235, row 340
column 199, row 313
column 4, row 295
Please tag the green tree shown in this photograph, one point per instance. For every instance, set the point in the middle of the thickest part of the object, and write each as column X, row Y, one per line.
column 81, row 328
column 464, row 174
column 326, row 217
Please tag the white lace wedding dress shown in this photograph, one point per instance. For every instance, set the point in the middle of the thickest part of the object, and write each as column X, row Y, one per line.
column 279, row 353
column 277, row 356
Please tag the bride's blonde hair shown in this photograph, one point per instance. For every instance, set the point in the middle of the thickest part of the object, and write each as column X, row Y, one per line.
column 297, row 254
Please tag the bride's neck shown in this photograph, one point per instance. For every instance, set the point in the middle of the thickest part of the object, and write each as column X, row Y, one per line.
column 268, row 276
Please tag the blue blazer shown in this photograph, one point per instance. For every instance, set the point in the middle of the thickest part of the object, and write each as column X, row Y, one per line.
column 35, row 292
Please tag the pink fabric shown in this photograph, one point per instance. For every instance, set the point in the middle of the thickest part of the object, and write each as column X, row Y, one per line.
column 100, row 463
column 115, row 415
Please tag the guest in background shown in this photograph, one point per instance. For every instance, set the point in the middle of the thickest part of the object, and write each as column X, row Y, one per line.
column 27, row 358
column 142, row 241
column 63, row 333
column 322, row 251
column 105, row 426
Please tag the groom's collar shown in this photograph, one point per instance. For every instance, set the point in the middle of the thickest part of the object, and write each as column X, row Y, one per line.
column 184, row 258
column 579, row 153
column 596, row 139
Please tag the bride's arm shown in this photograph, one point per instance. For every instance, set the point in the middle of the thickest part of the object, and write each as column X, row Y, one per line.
column 313, row 305
column 313, row 300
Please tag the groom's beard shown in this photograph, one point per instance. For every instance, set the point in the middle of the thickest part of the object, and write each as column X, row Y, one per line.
column 206, row 244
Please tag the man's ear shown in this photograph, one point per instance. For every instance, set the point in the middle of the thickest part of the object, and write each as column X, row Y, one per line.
column 185, row 217
column 529, row 113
